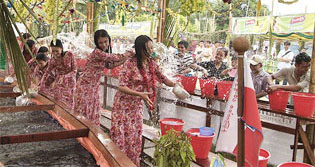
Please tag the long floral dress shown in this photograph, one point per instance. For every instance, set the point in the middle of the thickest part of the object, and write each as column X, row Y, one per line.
column 59, row 80
column 87, row 101
column 127, row 117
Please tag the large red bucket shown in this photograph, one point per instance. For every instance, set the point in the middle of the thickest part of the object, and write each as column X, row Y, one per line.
column 115, row 71
column 189, row 83
column 304, row 104
column 294, row 164
column 224, row 88
column 264, row 156
column 278, row 100
column 171, row 123
column 201, row 144
column 207, row 87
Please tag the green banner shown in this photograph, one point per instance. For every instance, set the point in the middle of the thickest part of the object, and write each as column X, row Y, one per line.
column 130, row 29
column 3, row 58
column 296, row 23
column 250, row 25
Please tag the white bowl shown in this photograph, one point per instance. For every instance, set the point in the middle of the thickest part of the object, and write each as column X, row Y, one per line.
column 8, row 80
column 180, row 92
column 16, row 89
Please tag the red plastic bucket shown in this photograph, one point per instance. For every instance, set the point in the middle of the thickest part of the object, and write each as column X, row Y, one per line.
column 207, row 87
column 294, row 164
column 189, row 83
column 264, row 156
column 224, row 88
column 201, row 144
column 278, row 100
column 171, row 123
column 304, row 104
column 115, row 71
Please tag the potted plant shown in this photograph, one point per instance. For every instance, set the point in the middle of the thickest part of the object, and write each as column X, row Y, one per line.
column 173, row 150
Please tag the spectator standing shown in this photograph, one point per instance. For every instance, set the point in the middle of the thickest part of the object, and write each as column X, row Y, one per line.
column 284, row 58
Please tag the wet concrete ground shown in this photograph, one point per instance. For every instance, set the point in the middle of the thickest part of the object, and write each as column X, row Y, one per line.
column 60, row 153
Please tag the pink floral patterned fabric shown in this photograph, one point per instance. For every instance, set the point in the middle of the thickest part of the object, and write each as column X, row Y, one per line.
column 39, row 73
column 60, row 79
column 87, row 101
column 127, row 117
column 32, row 65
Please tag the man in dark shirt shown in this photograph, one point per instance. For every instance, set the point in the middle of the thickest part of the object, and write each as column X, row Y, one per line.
column 215, row 67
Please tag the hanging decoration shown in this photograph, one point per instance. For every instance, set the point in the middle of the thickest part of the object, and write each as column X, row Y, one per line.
column 55, row 29
column 224, row 13
column 287, row 2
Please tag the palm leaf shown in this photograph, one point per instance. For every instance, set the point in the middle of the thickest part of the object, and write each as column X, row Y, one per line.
column 11, row 46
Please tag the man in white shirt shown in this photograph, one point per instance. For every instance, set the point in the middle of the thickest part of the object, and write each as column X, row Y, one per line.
column 285, row 57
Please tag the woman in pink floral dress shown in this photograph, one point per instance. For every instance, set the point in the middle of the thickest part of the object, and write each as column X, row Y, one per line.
column 87, row 101
column 60, row 79
column 137, row 82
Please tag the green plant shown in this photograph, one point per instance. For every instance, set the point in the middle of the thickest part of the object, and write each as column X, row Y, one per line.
column 173, row 150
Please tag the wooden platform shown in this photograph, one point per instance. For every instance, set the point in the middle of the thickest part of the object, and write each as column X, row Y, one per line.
column 89, row 135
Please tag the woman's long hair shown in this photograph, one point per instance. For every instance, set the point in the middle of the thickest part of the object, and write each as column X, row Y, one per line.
column 102, row 33
column 141, row 47
column 30, row 43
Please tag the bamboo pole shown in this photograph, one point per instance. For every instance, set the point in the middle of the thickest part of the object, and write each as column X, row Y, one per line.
column 90, row 13
column 160, row 33
column 240, row 45
column 310, row 128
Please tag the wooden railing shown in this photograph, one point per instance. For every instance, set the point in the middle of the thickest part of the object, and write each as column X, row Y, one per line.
column 262, row 106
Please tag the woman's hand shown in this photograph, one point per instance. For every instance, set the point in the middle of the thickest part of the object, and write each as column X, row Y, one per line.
column 146, row 98
column 130, row 52
column 179, row 84
column 205, row 72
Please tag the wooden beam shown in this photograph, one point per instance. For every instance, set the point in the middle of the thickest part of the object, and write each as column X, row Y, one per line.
column 308, row 149
column 43, row 107
column 278, row 128
column 47, row 136
column 6, row 87
column 9, row 94
column 300, row 146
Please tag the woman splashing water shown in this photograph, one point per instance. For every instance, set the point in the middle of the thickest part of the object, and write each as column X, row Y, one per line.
column 137, row 82
column 60, row 79
column 87, row 100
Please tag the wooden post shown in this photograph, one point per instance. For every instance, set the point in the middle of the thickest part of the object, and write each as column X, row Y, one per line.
column 311, row 128
column 90, row 14
column 160, row 31
column 240, row 45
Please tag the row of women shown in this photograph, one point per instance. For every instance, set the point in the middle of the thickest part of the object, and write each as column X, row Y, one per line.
column 137, row 82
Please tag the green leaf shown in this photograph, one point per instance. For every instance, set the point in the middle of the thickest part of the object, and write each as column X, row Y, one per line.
column 183, row 155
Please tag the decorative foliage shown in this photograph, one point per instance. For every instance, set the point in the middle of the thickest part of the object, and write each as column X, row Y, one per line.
column 50, row 9
column 173, row 150
column 11, row 46
column 21, row 9
column 189, row 7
